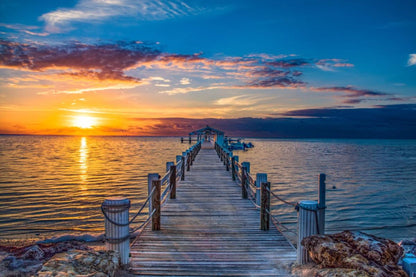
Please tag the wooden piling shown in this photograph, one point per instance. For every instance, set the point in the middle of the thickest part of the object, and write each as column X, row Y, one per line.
column 260, row 178
column 150, row 178
column 244, row 193
column 227, row 161
column 116, row 211
column 321, row 204
column 307, row 226
column 188, row 160
column 156, row 205
column 233, row 171
column 183, row 168
column 172, row 182
column 265, row 206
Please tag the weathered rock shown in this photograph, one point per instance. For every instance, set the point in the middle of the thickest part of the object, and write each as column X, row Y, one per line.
column 79, row 262
column 355, row 250
column 27, row 260
column 33, row 253
column 380, row 250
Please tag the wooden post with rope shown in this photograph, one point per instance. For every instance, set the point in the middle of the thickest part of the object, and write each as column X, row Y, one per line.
column 150, row 178
column 172, row 181
column 183, row 166
column 156, row 184
column 233, row 171
column 245, row 166
column 265, row 206
column 321, row 204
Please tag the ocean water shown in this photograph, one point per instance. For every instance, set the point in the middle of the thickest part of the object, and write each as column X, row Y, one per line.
column 54, row 185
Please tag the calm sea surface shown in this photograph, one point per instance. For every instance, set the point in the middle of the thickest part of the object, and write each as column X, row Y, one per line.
column 50, row 186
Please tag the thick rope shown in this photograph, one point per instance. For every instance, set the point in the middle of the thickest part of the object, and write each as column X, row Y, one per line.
column 134, row 217
column 279, row 198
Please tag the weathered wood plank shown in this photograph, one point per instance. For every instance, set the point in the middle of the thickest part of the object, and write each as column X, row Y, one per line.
column 208, row 230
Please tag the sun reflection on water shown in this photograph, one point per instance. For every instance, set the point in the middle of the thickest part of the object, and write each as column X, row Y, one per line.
column 83, row 162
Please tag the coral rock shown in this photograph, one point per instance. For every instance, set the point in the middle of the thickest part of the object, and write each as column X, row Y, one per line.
column 79, row 262
column 367, row 254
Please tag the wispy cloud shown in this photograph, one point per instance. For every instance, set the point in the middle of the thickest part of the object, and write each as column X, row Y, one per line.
column 101, row 10
column 239, row 100
column 191, row 89
column 412, row 60
column 332, row 64
column 288, row 63
column 353, row 95
column 30, row 30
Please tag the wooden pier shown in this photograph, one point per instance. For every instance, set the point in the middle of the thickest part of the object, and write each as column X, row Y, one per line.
column 210, row 230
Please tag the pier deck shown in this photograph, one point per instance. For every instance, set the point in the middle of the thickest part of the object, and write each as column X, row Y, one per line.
column 209, row 230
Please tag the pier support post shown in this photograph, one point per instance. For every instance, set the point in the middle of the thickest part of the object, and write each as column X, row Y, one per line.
column 172, row 182
column 233, row 167
column 156, row 205
column 183, row 168
column 321, row 204
column 116, row 212
column 265, row 206
column 260, row 178
column 244, row 193
column 307, row 226
column 188, row 160
column 178, row 158
column 150, row 178
column 227, row 161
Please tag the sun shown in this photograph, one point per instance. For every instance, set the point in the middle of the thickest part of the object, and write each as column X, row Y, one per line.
column 84, row 121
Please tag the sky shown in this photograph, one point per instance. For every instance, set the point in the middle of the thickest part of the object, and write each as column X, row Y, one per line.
column 253, row 68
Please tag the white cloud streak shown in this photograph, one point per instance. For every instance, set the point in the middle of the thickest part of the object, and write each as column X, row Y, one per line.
column 60, row 20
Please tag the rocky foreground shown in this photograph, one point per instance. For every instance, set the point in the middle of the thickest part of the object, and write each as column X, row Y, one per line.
column 345, row 254
column 70, row 258
column 353, row 254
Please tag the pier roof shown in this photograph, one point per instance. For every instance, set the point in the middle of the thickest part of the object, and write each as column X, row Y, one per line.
column 206, row 129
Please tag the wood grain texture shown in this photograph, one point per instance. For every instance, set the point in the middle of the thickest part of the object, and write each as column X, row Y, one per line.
column 209, row 230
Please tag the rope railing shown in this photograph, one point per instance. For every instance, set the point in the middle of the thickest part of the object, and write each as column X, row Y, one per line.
column 281, row 199
column 251, row 181
column 144, row 224
column 311, row 214
column 117, row 226
column 165, row 178
column 134, row 217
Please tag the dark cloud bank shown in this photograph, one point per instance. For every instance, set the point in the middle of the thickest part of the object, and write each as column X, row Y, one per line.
column 389, row 122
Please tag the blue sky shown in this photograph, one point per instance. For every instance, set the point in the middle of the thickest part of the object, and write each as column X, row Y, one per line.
column 200, row 59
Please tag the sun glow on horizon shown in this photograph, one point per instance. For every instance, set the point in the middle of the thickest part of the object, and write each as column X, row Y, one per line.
column 84, row 121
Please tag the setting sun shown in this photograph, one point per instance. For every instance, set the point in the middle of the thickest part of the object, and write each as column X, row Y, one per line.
column 84, row 121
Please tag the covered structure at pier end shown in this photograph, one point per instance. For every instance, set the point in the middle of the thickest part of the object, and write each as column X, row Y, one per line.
column 208, row 133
